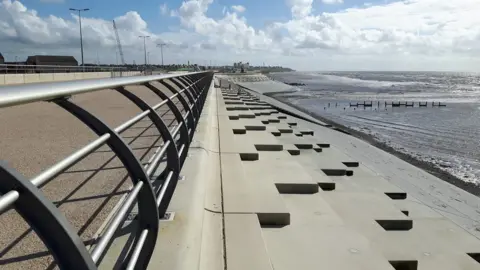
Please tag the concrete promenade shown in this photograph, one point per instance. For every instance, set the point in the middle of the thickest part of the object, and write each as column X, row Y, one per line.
column 267, row 190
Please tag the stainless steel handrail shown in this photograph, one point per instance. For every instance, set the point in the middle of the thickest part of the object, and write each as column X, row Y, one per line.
column 25, row 195
column 27, row 93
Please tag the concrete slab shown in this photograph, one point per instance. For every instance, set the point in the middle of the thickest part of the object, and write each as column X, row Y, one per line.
column 244, row 243
column 318, row 239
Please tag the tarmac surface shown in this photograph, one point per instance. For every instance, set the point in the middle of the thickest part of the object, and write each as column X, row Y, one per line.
column 35, row 136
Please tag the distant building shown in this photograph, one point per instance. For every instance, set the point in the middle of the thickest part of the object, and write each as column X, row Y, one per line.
column 52, row 60
column 2, row 60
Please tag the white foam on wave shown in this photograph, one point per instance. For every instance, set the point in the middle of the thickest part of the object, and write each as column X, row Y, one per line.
column 464, row 169
column 342, row 80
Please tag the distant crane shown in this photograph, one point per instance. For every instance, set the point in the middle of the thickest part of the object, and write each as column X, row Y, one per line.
column 119, row 45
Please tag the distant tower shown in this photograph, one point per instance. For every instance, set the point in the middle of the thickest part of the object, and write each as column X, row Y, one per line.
column 119, row 44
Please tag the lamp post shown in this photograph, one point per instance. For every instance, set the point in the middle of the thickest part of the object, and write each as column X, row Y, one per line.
column 80, row 22
column 161, row 49
column 144, row 48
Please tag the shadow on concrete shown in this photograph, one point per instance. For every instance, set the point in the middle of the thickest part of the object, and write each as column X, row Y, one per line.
column 107, row 197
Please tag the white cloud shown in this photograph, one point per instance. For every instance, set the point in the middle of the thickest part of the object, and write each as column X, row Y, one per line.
column 398, row 31
column 23, row 32
column 164, row 9
column 239, row 8
column 420, row 34
column 300, row 8
column 53, row 1
column 329, row 2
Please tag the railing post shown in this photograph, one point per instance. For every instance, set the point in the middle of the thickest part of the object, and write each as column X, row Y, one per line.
column 147, row 208
column 182, row 100
column 188, row 94
column 173, row 162
column 47, row 221
column 194, row 91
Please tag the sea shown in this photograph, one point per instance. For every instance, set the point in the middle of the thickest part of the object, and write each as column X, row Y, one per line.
column 446, row 136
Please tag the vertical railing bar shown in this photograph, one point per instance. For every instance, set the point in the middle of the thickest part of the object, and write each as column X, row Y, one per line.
column 181, row 87
column 190, row 81
column 137, row 251
column 119, row 217
column 194, row 93
column 157, row 157
column 191, row 85
column 187, row 93
column 148, row 212
column 173, row 162
column 194, row 90
column 163, row 189
column 185, row 135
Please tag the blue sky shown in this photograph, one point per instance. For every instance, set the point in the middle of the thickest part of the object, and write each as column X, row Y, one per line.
column 259, row 11
column 303, row 34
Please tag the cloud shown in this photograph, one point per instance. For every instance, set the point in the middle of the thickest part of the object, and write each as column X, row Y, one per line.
column 394, row 35
column 300, row 8
column 164, row 9
column 329, row 2
column 53, row 1
column 397, row 31
column 239, row 8
column 26, row 33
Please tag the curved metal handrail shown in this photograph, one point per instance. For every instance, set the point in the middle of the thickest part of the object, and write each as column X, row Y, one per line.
column 27, row 93
column 52, row 227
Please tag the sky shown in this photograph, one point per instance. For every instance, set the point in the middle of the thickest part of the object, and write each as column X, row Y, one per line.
column 309, row 35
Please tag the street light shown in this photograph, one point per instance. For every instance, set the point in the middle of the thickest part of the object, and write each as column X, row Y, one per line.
column 80, row 21
column 161, row 49
column 144, row 47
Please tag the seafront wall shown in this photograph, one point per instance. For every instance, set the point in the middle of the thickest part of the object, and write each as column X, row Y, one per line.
column 8, row 79
column 284, row 192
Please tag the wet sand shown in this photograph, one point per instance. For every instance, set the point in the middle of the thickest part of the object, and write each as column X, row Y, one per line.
column 424, row 165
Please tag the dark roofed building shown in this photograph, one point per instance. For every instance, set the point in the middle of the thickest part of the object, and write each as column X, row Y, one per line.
column 52, row 60
column 2, row 60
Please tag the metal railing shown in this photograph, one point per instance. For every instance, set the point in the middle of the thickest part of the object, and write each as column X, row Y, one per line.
column 25, row 196
column 25, row 68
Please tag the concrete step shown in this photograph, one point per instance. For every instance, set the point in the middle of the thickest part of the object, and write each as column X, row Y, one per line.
column 279, row 167
column 244, row 243
column 251, row 194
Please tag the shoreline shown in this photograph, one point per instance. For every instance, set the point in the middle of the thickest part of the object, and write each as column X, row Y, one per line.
column 424, row 165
